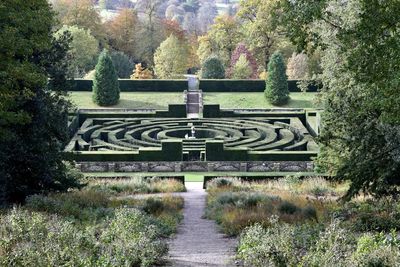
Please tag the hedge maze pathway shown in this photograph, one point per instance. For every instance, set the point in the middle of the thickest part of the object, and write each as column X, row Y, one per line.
column 198, row 242
column 255, row 134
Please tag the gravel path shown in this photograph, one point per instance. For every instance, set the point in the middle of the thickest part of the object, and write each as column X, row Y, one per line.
column 198, row 242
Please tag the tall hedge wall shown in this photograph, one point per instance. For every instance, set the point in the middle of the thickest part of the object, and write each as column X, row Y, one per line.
column 127, row 85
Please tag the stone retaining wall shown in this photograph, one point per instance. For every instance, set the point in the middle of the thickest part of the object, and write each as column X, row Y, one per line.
column 198, row 166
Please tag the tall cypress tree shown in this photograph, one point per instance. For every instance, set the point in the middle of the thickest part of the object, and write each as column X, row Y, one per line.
column 277, row 91
column 105, row 83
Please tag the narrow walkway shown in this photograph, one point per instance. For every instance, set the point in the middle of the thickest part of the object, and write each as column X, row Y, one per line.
column 198, row 242
column 193, row 104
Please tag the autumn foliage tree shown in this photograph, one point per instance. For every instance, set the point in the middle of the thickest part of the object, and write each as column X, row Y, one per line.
column 81, row 13
column 83, row 49
column 239, row 51
column 171, row 58
column 141, row 73
column 122, row 32
column 241, row 69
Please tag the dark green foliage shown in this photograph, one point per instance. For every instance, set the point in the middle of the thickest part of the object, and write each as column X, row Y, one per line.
column 105, row 83
column 310, row 212
column 276, row 90
column 207, row 85
column 288, row 208
column 213, row 69
column 123, row 64
column 360, row 124
column 33, row 124
column 372, row 215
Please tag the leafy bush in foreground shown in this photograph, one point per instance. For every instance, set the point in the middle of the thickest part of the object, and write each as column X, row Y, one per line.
column 234, row 211
column 35, row 239
column 282, row 244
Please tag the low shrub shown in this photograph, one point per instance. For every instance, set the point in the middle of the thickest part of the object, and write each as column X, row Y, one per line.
column 370, row 215
column 80, row 205
column 282, row 244
column 333, row 247
column 278, row 245
column 35, row 239
column 378, row 249
column 220, row 182
column 130, row 239
column 136, row 185
column 286, row 207
column 234, row 211
column 166, row 210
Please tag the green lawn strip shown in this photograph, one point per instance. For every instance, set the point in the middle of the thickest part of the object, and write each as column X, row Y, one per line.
column 159, row 100
column 136, row 100
column 257, row 100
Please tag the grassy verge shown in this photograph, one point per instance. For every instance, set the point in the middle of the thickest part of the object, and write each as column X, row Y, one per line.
column 257, row 100
column 289, row 222
column 97, row 226
column 226, row 100
column 130, row 100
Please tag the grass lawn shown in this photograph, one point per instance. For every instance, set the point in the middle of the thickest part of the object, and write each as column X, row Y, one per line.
column 158, row 100
column 130, row 100
column 257, row 100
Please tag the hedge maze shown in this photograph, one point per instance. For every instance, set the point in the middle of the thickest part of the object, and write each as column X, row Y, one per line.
column 262, row 137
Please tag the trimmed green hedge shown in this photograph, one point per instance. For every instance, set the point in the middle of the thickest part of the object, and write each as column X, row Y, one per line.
column 207, row 85
column 127, row 85
column 174, row 111
column 171, row 151
column 214, row 111
column 215, row 151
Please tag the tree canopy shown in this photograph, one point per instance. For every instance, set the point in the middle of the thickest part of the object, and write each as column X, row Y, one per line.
column 359, row 41
column 33, row 120
column 171, row 58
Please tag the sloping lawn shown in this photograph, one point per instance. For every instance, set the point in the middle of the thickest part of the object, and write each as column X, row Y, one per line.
column 257, row 100
column 158, row 100
column 130, row 100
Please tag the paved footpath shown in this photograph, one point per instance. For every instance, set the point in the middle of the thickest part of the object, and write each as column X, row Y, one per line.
column 198, row 242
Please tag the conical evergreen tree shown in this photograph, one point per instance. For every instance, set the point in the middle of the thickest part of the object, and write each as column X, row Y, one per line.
column 105, row 83
column 277, row 91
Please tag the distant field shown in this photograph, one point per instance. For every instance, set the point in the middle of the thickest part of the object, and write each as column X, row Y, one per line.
column 226, row 100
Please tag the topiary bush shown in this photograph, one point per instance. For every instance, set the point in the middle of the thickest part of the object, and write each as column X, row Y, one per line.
column 105, row 83
column 277, row 91
column 213, row 68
